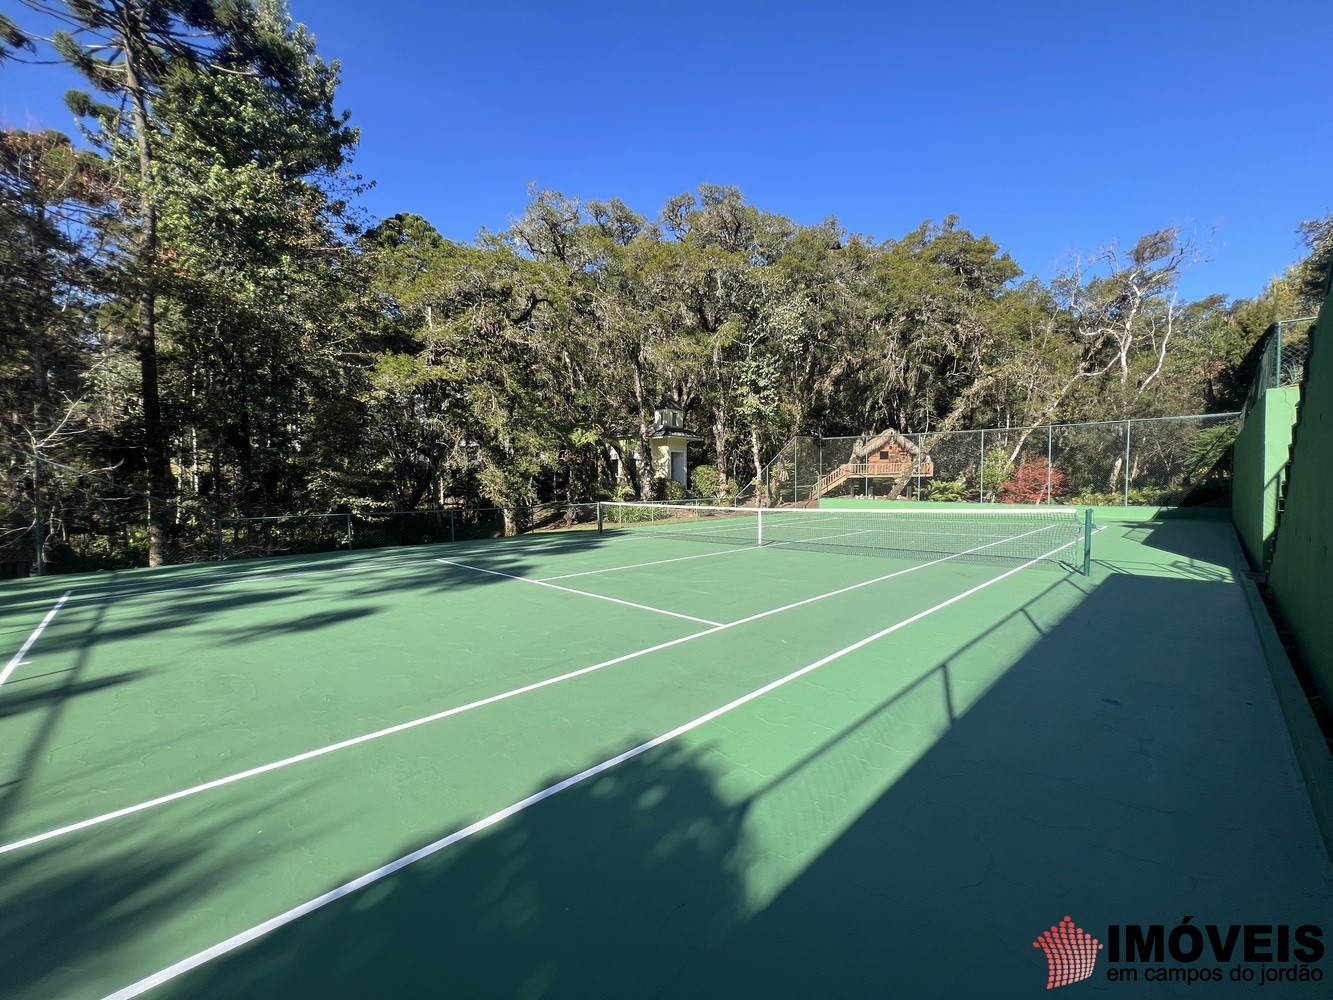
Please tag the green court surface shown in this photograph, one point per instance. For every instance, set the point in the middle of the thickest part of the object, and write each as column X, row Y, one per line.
column 583, row 765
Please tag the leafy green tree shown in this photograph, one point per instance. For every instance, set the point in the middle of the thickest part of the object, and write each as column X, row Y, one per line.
column 12, row 39
column 126, row 49
column 49, row 195
column 255, row 276
column 1314, row 272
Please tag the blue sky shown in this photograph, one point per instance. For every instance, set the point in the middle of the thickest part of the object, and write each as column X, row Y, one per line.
column 1055, row 128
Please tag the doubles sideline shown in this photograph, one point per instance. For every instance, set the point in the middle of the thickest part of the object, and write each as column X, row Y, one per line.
column 384, row 871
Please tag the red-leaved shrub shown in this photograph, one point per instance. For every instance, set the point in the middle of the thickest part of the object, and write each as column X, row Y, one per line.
column 1028, row 482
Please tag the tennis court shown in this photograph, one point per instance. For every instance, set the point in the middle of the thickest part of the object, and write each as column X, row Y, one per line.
column 859, row 759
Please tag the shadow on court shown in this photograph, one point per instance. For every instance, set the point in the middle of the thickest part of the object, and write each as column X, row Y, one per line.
column 1206, row 540
column 144, row 603
column 69, row 904
column 1129, row 766
column 54, row 700
column 609, row 889
column 18, row 701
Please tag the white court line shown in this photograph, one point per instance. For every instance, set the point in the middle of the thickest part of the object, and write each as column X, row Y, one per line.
column 384, row 871
column 17, row 658
column 114, row 594
column 446, row 713
column 655, row 562
column 581, row 593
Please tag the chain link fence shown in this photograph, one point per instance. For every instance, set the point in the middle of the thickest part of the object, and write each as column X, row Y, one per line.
column 299, row 534
column 1156, row 461
column 55, row 518
column 1286, row 350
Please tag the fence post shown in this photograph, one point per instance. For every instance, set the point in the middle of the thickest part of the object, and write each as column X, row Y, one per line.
column 1277, row 356
column 795, row 469
column 916, row 466
column 1127, row 431
column 217, row 526
column 349, row 532
column 1050, row 441
column 37, row 510
column 981, row 471
column 453, row 521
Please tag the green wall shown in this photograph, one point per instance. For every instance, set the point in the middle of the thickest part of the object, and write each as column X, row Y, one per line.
column 1301, row 577
column 1262, row 449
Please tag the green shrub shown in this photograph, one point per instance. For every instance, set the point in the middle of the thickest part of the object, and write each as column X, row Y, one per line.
column 706, row 482
column 950, row 490
column 668, row 490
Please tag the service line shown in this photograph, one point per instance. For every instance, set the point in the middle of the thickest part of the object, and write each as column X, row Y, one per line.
column 581, row 593
column 655, row 562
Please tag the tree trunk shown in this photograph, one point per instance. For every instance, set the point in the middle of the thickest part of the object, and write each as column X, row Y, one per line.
column 928, row 441
column 720, row 449
column 645, row 463
column 156, row 461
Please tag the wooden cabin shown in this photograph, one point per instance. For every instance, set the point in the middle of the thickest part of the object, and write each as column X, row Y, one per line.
column 883, row 459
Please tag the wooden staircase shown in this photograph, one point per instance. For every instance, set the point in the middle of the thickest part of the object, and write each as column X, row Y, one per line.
column 894, row 468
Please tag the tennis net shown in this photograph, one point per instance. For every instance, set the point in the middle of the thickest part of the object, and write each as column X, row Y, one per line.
column 1054, row 534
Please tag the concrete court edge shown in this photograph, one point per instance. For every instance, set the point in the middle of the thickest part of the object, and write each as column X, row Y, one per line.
column 1307, row 740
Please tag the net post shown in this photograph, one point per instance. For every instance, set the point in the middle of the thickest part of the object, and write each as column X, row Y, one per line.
column 759, row 526
column 600, row 517
column 1087, row 541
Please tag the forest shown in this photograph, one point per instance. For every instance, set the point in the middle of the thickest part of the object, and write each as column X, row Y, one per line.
column 195, row 308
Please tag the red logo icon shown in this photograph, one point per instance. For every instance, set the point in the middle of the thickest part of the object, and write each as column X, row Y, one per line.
column 1071, row 953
